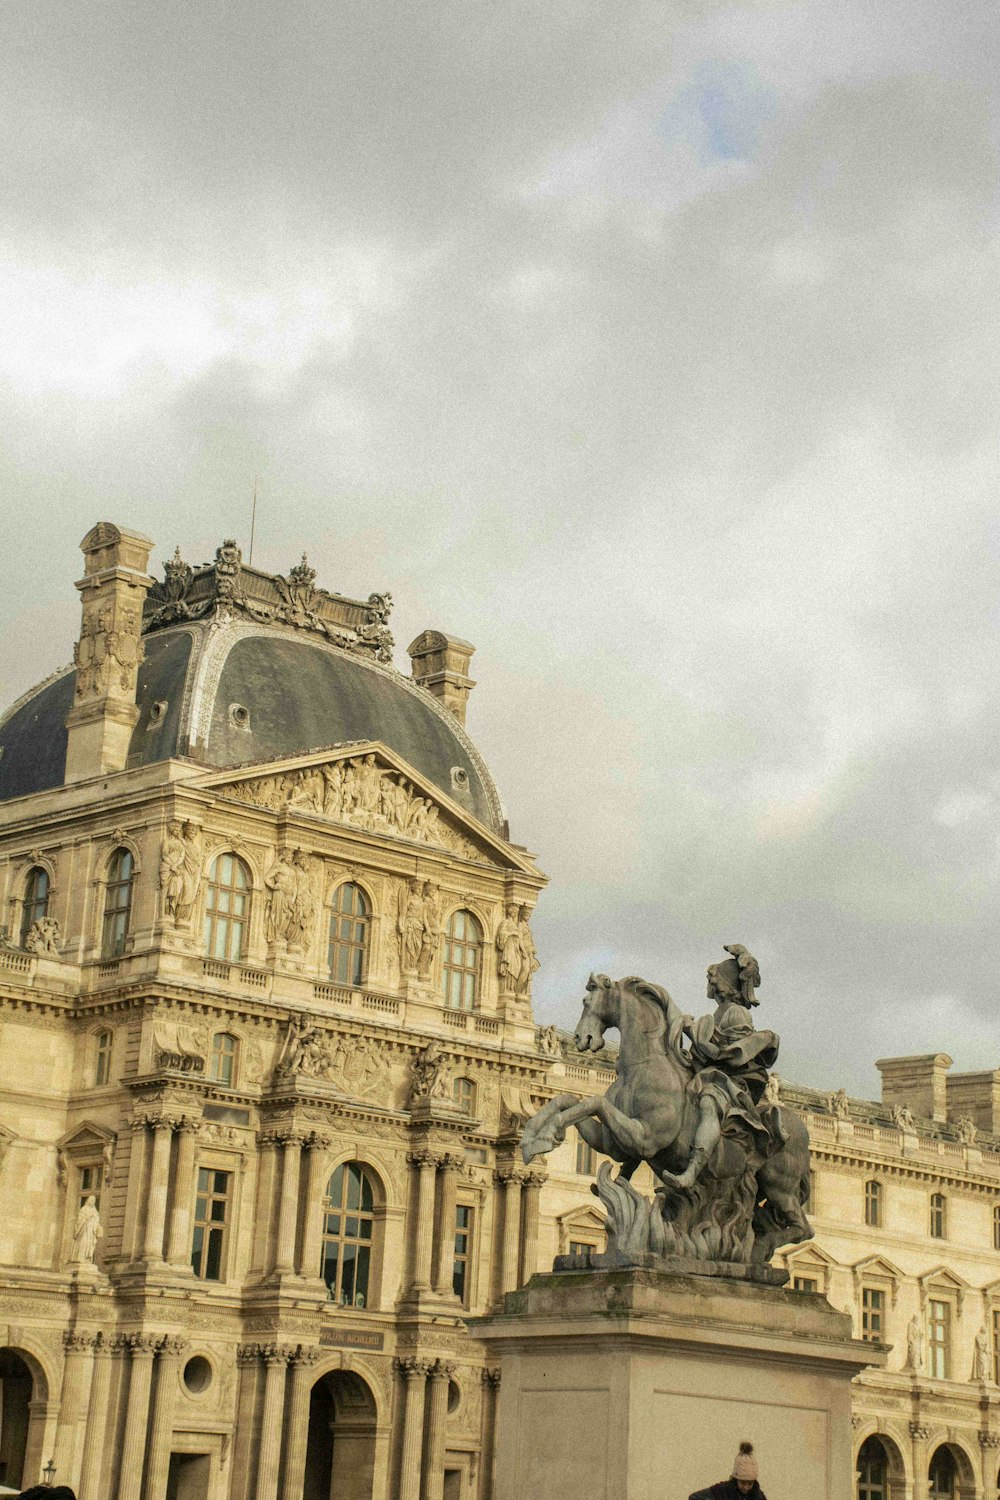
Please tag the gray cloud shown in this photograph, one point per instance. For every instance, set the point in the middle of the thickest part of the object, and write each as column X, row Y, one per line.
column 654, row 355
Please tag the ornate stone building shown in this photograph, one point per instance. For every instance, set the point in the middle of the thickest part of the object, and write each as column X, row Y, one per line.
column 266, row 1045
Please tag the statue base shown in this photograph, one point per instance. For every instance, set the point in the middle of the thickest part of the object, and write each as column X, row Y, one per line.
column 633, row 1384
column 670, row 1265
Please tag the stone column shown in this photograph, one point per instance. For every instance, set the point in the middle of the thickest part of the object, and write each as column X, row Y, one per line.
column 437, row 1422
column 94, row 1456
column 162, row 1427
column 288, row 1208
column 529, row 1240
column 919, row 1433
column 450, row 1164
column 298, row 1422
column 77, row 1374
column 491, row 1385
column 138, row 1172
column 989, row 1442
column 156, row 1195
column 423, row 1240
column 240, row 1482
column 143, row 1347
column 510, row 1179
column 312, row 1229
column 179, row 1239
column 261, row 1255
column 414, row 1373
column 276, row 1358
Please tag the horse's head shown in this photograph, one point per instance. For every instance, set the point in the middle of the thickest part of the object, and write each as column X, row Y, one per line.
column 598, row 1014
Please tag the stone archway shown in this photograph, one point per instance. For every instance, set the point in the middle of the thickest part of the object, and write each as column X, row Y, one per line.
column 950, row 1473
column 340, row 1448
column 17, row 1384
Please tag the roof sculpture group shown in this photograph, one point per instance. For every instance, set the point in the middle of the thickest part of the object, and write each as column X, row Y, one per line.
column 691, row 1098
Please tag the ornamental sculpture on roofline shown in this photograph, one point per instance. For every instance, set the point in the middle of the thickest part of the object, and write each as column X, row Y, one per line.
column 689, row 1098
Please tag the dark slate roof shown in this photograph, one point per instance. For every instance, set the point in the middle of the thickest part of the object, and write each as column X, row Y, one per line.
column 300, row 694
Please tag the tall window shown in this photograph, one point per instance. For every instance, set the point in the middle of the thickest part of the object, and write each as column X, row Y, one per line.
column 222, row 1063
column 463, row 951
column 461, row 1275
column 996, row 1226
column 117, row 904
column 36, row 900
column 586, row 1158
column 873, row 1204
column 211, row 1217
column 102, row 1066
column 463, row 1092
column 227, row 908
column 872, row 1314
column 941, row 1474
column 348, row 951
column 995, row 1329
column 939, row 1216
column 872, row 1471
column 938, row 1329
column 347, row 1234
column 89, row 1186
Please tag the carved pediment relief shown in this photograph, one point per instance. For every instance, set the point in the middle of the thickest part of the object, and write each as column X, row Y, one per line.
column 87, row 1143
column 364, row 789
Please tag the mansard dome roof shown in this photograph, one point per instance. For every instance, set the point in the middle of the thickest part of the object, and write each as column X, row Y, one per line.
column 228, row 682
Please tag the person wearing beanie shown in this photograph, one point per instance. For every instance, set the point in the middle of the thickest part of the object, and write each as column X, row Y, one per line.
column 742, row 1482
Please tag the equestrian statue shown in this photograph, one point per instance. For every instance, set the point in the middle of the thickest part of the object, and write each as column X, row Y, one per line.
column 732, row 1167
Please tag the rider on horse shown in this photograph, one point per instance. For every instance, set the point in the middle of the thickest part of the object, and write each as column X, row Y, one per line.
column 731, row 1060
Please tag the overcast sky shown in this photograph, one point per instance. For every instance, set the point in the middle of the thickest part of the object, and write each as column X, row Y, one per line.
column 652, row 347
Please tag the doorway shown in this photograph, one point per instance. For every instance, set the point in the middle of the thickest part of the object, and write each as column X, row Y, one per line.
column 340, row 1450
column 189, row 1476
column 16, row 1392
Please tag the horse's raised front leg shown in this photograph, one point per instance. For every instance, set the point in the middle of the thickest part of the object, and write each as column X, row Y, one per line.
column 632, row 1137
column 546, row 1130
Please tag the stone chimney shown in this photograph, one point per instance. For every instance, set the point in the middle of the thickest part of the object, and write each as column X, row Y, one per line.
column 917, row 1083
column 109, row 650
column 440, row 664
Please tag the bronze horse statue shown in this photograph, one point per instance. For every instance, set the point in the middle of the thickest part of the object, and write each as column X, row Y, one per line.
column 651, row 1114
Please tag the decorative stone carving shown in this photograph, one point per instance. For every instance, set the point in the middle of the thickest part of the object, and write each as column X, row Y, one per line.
column 491, row 1379
column 902, row 1117
column 915, row 1345
column 180, row 870
column 108, row 653
column 355, row 1065
column 529, row 955
column 293, row 902
column 517, row 958
column 772, row 1092
column 44, row 937
column 981, row 1357
column 432, row 1076
column 86, row 1232
column 362, row 794
column 168, row 597
column 967, row 1130
column 666, row 1097
column 547, row 1041
column 179, row 1046
column 919, row 1431
column 989, row 1439
column 838, row 1104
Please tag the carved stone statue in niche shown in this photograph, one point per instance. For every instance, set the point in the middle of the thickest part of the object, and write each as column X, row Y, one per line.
column 180, row 870
column 529, row 955
column 508, row 943
column 305, row 902
column 410, row 926
column 548, row 1041
column 431, row 1075
column 281, row 881
column 44, row 937
column 86, row 1232
column 430, row 930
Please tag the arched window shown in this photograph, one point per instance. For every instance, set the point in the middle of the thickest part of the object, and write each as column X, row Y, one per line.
column 117, row 904
column 227, row 908
column 102, row 1065
column 222, row 1063
column 463, row 1092
column 873, row 1204
column 36, row 900
column 941, row 1473
column 939, row 1216
column 348, row 1217
column 463, row 952
column 873, row 1471
column 348, row 950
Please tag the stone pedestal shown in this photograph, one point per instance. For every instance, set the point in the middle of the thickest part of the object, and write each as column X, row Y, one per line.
column 639, row 1384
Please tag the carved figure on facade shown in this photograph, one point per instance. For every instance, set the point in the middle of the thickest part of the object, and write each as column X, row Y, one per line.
column 305, row 902
column 508, row 947
column 772, row 1091
column 410, row 925
column 108, row 652
column 902, row 1117
column 431, row 1075
column 355, row 1065
column 179, row 1046
column 44, row 937
column 529, row 955
column 180, row 870
column 915, row 1345
column 293, row 900
column 838, row 1104
column 967, row 1130
column 361, row 793
column 548, row 1041
column 86, row 1232
column 734, row 1169
column 981, row 1356
column 430, row 929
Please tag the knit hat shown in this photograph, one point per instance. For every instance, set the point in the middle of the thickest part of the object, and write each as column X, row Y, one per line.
column 744, row 1464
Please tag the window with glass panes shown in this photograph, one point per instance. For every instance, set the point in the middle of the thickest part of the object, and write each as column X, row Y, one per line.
column 582, row 1247
column 873, row 1471
column 117, row 904
column 348, row 949
column 463, row 947
column 938, row 1216
column 222, row 1063
column 995, row 1330
column 996, row 1227
column 938, row 1328
column 461, row 1275
column 348, row 1219
column 102, row 1065
column 941, row 1474
column 805, row 1284
column 872, row 1314
column 89, row 1186
column 463, row 1092
column 873, row 1204
column 211, row 1217
column 586, row 1158
column 36, row 900
column 227, row 908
